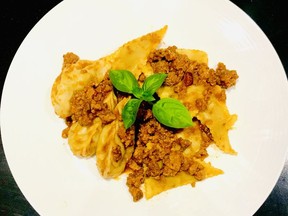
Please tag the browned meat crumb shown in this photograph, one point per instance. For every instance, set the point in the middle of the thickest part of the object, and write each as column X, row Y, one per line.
column 132, row 165
column 172, row 163
column 69, row 58
column 127, row 137
column 201, row 104
column 181, row 69
column 134, row 181
column 136, row 193
column 226, row 78
column 170, row 62
column 206, row 132
column 188, row 79
column 116, row 153
column 221, row 96
column 88, row 103
column 197, row 170
column 159, row 153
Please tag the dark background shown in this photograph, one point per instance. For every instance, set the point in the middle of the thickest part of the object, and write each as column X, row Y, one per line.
column 19, row 17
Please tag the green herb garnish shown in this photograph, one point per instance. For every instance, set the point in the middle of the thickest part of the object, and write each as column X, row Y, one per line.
column 129, row 112
column 167, row 111
column 153, row 83
column 172, row 113
column 124, row 81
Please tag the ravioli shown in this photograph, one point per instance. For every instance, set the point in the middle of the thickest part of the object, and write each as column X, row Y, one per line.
column 84, row 97
column 216, row 116
column 206, row 101
column 218, row 119
column 154, row 187
column 83, row 139
column 76, row 74
column 112, row 154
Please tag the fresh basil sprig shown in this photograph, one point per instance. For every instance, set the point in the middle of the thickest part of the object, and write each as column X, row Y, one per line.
column 123, row 80
column 167, row 111
column 172, row 113
column 153, row 83
column 129, row 112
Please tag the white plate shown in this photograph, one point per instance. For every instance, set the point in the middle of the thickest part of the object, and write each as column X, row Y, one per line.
column 57, row 183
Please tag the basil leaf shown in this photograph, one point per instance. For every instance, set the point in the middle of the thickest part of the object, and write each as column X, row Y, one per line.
column 137, row 92
column 153, row 82
column 129, row 112
column 123, row 80
column 147, row 97
column 172, row 113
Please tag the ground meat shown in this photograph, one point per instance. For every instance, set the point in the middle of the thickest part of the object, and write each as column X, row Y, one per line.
column 105, row 114
column 136, row 193
column 201, row 104
column 127, row 137
column 221, row 96
column 170, row 62
column 132, row 165
column 174, row 160
column 207, row 139
column 173, row 78
column 134, row 181
column 167, row 171
column 197, row 170
column 186, row 163
column 69, row 58
column 181, row 69
column 202, row 75
column 116, row 153
column 88, row 103
column 188, row 79
column 158, row 153
column 202, row 153
column 182, row 143
column 139, row 154
column 153, row 168
column 226, row 78
column 206, row 132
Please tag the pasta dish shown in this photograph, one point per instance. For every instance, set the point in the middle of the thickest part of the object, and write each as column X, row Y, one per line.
column 146, row 111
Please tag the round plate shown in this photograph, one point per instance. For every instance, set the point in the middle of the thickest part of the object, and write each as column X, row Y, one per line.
column 57, row 183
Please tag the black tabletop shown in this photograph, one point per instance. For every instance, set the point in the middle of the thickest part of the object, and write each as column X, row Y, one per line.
column 19, row 17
